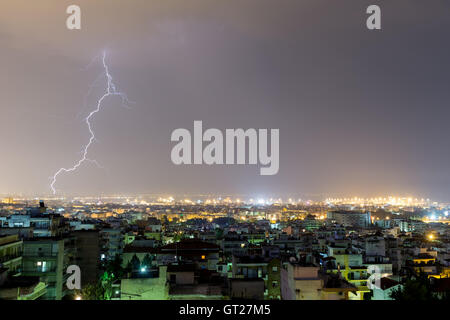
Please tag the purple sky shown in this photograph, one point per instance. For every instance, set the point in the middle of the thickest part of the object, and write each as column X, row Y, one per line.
column 360, row 113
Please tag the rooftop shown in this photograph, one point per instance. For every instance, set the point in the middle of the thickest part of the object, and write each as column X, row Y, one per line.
column 386, row 283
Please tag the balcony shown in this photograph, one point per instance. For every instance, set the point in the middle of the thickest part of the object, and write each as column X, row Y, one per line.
column 7, row 258
column 37, row 272
column 39, row 291
column 40, row 254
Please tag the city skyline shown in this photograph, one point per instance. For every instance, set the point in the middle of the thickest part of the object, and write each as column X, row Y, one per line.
column 355, row 203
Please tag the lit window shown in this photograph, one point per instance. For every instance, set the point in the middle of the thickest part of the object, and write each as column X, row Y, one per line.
column 41, row 266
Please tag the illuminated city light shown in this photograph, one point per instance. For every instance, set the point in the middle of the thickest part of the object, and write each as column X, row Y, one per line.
column 379, row 201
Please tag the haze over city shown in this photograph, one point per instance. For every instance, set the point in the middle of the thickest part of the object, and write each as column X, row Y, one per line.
column 360, row 113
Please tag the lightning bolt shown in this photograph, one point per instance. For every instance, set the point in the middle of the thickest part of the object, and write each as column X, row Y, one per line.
column 111, row 90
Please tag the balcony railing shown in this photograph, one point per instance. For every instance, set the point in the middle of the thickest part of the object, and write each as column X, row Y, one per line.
column 40, row 254
column 36, row 271
column 4, row 259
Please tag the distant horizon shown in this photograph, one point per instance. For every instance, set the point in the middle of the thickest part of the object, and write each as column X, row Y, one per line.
column 233, row 196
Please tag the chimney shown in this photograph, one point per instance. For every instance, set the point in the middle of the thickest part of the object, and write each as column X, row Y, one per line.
column 42, row 208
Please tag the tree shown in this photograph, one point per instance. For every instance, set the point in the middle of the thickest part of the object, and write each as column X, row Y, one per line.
column 113, row 271
column 135, row 263
column 219, row 234
column 128, row 268
column 147, row 261
column 416, row 288
column 93, row 292
column 114, row 267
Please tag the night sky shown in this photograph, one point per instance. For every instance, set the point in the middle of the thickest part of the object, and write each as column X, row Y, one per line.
column 360, row 113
